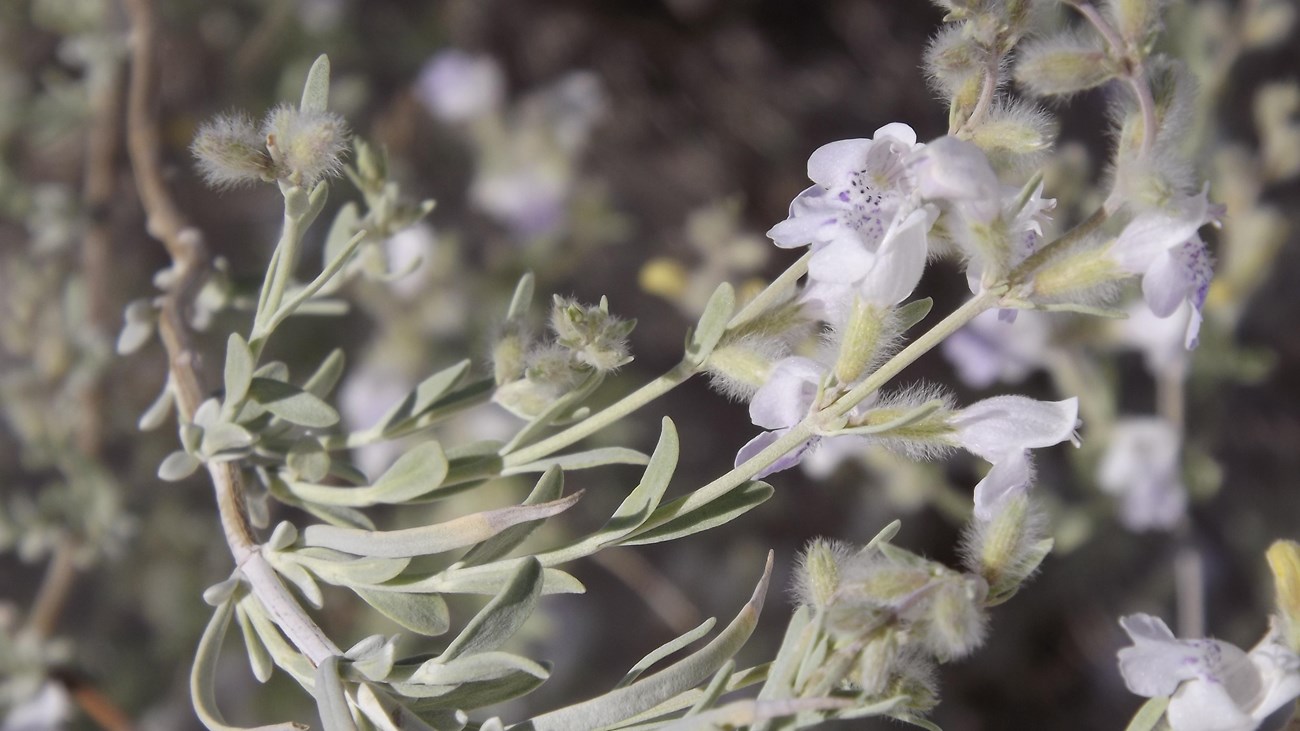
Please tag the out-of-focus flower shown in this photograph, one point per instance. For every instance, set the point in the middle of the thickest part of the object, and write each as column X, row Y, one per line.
column 1002, row 430
column 1215, row 686
column 365, row 396
column 48, row 710
column 408, row 252
column 1140, row 467
column 990, row 349
column 1164, row 247
column 456, row 86
column 1159, row 339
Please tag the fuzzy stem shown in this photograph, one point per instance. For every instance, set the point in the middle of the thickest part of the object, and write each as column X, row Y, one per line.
column 184, row 244
column 1135, row 75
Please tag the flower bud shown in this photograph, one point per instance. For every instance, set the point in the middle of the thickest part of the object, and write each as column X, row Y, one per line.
column 817, row 576
column 877, row 663
column 1008, row 548
column 230, row 152
column 508, row 356
column 1135, row 19
column 955, row 623
column 866, row 329
column 595, row 338
column 305, row 145
column 1065, row 64
column 1284, row 561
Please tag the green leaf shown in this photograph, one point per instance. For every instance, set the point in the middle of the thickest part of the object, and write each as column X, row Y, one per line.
column 682, row 675
column 431, row 539
column 780, row 676
column 204, row 672
column 522, row 299
column 308, row 460
column 331, row 697
column 346, row 224
column 746, row 713
column 1149, row 715
column 436, row 386
column 418, row 472
column 298, row 576
column 177, row 466
column 475, row 668
column 665, row 650
column 292, row 404
column 342, row 569
column 316, row 92
column 503, row 616
column 598, row 457
column 159, row 410
column 913, row 312
column 712, row 324
column 712, row 692
column 327, row 374
column 549, row 487
column 563, row 406
column 239, row 371
column 224, row 436
column 470, row 696
column 710, row 515
column 486, row 579
column 425, row 614
column 259, row 658
column 286, row 657
column 885, row 535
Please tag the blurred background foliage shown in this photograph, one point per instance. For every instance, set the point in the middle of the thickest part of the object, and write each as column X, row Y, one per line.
column 663, row 137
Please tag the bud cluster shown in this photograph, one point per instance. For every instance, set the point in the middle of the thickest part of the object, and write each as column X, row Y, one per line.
column 297, row 146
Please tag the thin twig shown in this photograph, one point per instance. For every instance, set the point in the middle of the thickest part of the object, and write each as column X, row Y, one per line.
column 56, row 585
column 95, row 704
column 184, row 243
column 660, row 594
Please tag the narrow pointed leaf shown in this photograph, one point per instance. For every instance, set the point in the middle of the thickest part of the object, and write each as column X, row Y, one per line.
column 475, row 668
column 327, row 374
column 436, row 386
column 712, row 325
column 239, row 369
column 522, row 298
column 663, row 685
column 549, row 487
column 316, row 91
column 583, row 460
column 426, row 614
column 259, row 658
column 431, row 539
column 331, row 697
column 421, row 470
column 913, row 312
column 503, row 616
column 710, row 515
column 665, row 650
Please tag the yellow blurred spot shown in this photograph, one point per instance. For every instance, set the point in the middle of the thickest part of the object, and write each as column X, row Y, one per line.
column 1284, row 560
column 663, row 277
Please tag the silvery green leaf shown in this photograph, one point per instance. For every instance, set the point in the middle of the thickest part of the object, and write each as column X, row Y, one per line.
column 204, row 672
column 431, row 539
column 908, row 418
column 154, row 416
column 522, row 298
column 712, row 692
column 564, row 405
column 682, row 675
column 400, row 422
column 239, row 370
column 190, row 436
column 138, row 328
column 373, row 657
column 913, row 312
column 217, row 593
column 275, row 370
column 712, row 324
column 315, row 202
column 225, row 437
column 470, row 696
column 292, row 404
column 463, row 472
column 331, row 697
column 258, row 506
column 299, row 577
column 334, row 515
column 259, row 658
column 486, row 579
column 598, row 457
column 285, row 655
column 1149, row 715
column 327, row 374
column 436, row 386
column 342, row 569
column 177, row 466
column 654, row 718
column 549, row 487
column 365, row 647
column 885, row 535
column 476, row 668
column 316, row 90
column 388, row 715
column 503, row 616
column 346, row 224
column 419, row 471
column 665, row 650
column 780, row 676
column 710, row 515
column 283, row 536
column 208, row 413
column 743, row 714
column 308, row 460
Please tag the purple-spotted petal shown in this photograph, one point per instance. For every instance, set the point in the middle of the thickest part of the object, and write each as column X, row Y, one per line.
column 900, row 262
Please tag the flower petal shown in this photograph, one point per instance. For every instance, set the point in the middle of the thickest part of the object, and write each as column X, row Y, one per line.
column 1012, row 475
column 899, row 263
column 1165, row 284
column 1157, row 662
column 808, row 213
column 765, row 440
column 833, row 163
column 898, row 131
column 1005, row 424
column 1206, row 706
column 840, row 261
column 788, row 393
column 1152, row 233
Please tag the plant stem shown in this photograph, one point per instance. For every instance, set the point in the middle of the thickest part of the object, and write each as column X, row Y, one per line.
column 1135, row 75
column 804, row 430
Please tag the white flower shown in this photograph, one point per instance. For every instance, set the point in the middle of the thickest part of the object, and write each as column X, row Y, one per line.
column 956, row 171
column 1163, row 246
column 783, row 401
column 1002, row 430
column 990, row 349
column 1141, row 467
column 1215, row 685
column 456, row 86
column 1159, row 339
column 866, row 231
column 408, row 252
column 47, row 710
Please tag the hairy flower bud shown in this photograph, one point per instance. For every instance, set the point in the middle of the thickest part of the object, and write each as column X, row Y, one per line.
column 305, row 145
column 596, row 338
column 817, row 575
column 955, row 621
column 1006, row 549
column 1063, row 65
column 230, row 152
column 866, row 329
